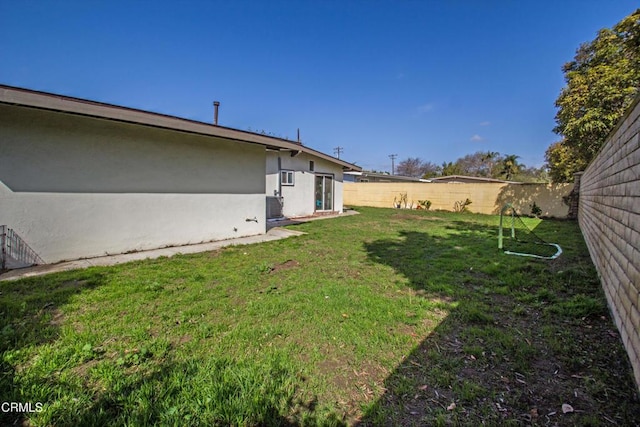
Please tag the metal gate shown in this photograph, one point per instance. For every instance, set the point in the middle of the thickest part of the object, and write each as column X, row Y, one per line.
column 14, row 252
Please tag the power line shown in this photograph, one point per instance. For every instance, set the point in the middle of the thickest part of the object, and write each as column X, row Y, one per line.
column 337, row 151
column 393, row 165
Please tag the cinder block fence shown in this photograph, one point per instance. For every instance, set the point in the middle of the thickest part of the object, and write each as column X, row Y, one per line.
column 609, row 217
column 486, row 198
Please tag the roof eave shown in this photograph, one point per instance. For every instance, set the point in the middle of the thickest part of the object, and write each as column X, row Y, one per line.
column 76, row 106
column 69, row 105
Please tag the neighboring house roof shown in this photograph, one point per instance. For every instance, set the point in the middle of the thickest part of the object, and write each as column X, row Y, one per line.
column 47, row 101
column 466, row 179
column 381, row 177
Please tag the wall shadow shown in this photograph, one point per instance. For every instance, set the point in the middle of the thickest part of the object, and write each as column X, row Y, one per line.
column 488, row 362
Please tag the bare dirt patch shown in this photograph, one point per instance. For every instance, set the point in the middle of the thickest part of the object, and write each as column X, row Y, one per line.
column 184, row 339
column 287, row 265
column 415, row 217
column 57, row 317
column 215, row 253
column 359, row 383
column 468, row 382
column 83, row 370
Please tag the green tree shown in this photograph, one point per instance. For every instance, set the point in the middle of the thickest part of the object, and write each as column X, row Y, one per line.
column 533, row 174
column 510, row 166
column 601, row 82
column 562, row 161
column 451, row 168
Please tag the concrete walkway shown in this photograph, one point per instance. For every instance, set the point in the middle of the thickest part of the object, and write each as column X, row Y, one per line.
column 275, row 232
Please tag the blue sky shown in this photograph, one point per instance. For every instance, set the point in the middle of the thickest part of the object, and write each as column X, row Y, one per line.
column 429, row 79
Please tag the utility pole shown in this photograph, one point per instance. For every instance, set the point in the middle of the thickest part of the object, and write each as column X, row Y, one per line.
column 393, row 165
column 337, row 151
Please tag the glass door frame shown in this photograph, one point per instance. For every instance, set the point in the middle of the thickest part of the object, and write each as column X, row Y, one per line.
column 323, row 202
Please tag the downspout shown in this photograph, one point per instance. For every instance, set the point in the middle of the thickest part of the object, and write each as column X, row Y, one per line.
column 3, row 253
column 279, row 176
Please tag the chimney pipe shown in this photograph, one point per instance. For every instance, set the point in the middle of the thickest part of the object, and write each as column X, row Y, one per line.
column 216, row 104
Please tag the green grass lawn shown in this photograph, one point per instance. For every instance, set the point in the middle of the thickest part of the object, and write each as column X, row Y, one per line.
column 390, row 317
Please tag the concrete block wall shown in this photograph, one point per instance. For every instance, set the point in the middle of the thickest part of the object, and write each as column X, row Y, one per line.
column 486, row 198
column 609, row 217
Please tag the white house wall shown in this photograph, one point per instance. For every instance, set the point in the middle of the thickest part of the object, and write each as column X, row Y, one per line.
column 75, row 187
column 299, row 199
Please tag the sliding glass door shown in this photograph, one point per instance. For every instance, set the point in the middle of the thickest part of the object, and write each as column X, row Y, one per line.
column 324, row 192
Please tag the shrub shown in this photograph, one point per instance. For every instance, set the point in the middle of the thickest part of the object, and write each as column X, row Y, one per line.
column 462, row 206
column 424, row 204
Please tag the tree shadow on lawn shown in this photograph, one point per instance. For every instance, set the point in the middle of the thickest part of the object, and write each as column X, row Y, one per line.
column 142, row 387
column 30, row 315
column 190, row 393
column 522, row 337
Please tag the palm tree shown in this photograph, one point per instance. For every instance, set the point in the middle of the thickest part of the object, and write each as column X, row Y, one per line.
column 489, row 159
column 510, row 166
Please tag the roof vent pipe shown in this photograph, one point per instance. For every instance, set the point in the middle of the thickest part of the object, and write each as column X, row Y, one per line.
column 216, row 104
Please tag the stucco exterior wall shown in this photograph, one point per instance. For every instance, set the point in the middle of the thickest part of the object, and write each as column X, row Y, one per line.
column 487, row 198
column 299, row 198
column 609, row 217
column 75, row 187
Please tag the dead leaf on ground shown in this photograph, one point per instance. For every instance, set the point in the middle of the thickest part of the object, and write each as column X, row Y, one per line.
column 566, row 408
